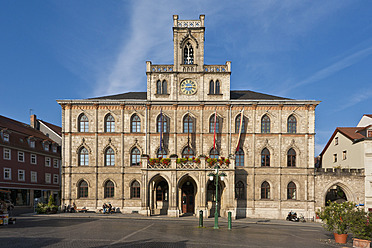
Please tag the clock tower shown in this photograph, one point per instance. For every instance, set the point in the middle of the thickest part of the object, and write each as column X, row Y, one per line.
column 188, row 79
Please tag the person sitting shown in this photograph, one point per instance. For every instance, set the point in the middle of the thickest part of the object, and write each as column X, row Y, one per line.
column 104, row 208
column 109, row 208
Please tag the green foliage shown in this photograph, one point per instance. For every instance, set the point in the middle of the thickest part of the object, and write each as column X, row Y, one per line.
column 336, row 216
column 359, row 224
column 43, row 208
column 51, row 201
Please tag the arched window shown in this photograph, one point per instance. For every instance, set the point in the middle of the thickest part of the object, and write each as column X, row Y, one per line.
column 109, row 124
column 265, row 158
column 217, row 89
column 83, row 157
column 291, row 191
column 214, row 153
column 211, row 87
column 188, row 152
column 109, row 157
column 109, row 189
column 237, row 123
column 136, row 124
column 164, row 87
column 83, row 123
column 188, row 54
column 83, row 189
column 211, row 124
column 162, row 121
column 188, row 124
column 161, row 153
column 239, row 190
column 135, row 190
column 135, row 156
column 265, row 190
column 292, row 124
column 291, row 158
column 158, row 87
column 162, row 191
column 239, row 157
column 265, row 124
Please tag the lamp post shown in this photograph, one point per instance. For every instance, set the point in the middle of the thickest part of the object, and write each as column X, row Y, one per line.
column 212, row 175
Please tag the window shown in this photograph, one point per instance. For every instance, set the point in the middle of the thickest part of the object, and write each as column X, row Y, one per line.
column 83, row 123
column 239, row 190
column 237, row 123
column 7, row 154
column 161, row 87
column 21, row 157
column 369, row 133
column 214, row 88
column 109, row 189
column 83, row 157
column 109, row 124
column 135, row 156
column 334, row 158
column 265, row 190
column 54, row 148
column 211, row 87
column 83, row 189
column 239, row 157
column 214, row 153
column 32, row 143
column 162, row 121
column 161, row 153
column 291, row 191
column 135, row 190
column 292, row 124
column 109, row 157
column 55, row 163
column 21, row 175
column 265, row 158
column 6, row 137
column 344, row 155
column 188, row 124
column 336, row 141
column 33, row 159
column 136, row 124
column 47, row 162
column 46, row 146
column 7, row 173
column 48, row 178
column 212, row 125
column 265, row 124
column 33, row 176
column 55, row 178
column 187, row 152
column 291, row 158
column 162, row 191
column 188, row 54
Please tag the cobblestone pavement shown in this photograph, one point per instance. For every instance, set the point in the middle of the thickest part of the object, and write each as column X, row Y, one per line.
column 117, row 230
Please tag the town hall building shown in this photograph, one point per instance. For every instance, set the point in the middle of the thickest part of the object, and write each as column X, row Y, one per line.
column 153, row 152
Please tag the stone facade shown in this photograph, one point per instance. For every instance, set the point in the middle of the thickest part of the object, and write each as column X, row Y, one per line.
column 199, row 91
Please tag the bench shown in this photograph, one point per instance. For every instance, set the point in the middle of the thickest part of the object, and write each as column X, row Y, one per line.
column 82, row 210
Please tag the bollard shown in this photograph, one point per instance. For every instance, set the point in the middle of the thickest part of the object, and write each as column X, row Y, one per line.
column 201, row 218
column 229, row 225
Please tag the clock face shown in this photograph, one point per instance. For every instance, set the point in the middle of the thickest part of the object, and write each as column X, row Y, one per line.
column 188, row 87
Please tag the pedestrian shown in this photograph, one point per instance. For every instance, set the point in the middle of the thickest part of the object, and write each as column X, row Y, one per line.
column 104, row 208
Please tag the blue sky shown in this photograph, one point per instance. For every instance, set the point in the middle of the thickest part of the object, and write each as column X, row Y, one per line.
column 314, row 50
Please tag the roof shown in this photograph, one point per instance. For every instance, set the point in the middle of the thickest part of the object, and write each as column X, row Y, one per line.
column 351, row 133
column 10, row 124
column 234, row 95
column 368, row 115
column 55, row 128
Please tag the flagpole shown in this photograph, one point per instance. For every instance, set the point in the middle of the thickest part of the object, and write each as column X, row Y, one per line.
column 214, row 136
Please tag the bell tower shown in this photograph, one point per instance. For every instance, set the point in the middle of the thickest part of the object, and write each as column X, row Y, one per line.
column 188, row 44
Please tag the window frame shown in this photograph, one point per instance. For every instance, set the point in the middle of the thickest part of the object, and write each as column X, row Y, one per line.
column 135, row 124
column 48, row 178
column 292, row 124
column 33, row 176
column 211, row 124
column 83, row 159
column 109, row 157
column 109, row 123
column 7, row 154
column 291, row 191
column 83, row 190
column 7, row 173
column 213, row 153
column 291, row 158
column 135, row 158
column 83, row 123
column 265, row 124
column 21, row 156
column 48, row 162
column 239, row 190
column 109, row 190
column 239, row 157
column 188, row 154
column 55, row 179
column 188, row 124
column 237, row 123
column 6, row 137
column 21, row 175
column 265, row 157
column 135, row 190
column 265, row 190
column 55, row 163
column 165, row 123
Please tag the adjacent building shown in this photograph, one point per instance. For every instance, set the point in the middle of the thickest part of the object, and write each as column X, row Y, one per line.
column 264, row 144
column 29, row 163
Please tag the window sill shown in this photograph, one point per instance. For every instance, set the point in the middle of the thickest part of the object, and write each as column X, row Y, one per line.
column 160, row 95
column 215, row 94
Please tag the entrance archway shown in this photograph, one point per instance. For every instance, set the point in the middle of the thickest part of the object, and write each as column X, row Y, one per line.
column 335, row 194
column 159, row 196
column 211, row 197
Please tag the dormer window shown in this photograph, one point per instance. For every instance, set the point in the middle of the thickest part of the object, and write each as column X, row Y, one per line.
column 6, row 137
column 32, row 143
column 46, row 146
column 369, row 133
column 188, row 54
column 54, row 148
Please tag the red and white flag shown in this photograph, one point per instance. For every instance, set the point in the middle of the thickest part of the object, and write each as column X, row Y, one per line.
column 214, row 136
column 240, row 129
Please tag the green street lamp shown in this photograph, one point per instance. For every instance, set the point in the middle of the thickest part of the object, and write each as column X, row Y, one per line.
column 211, row 177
